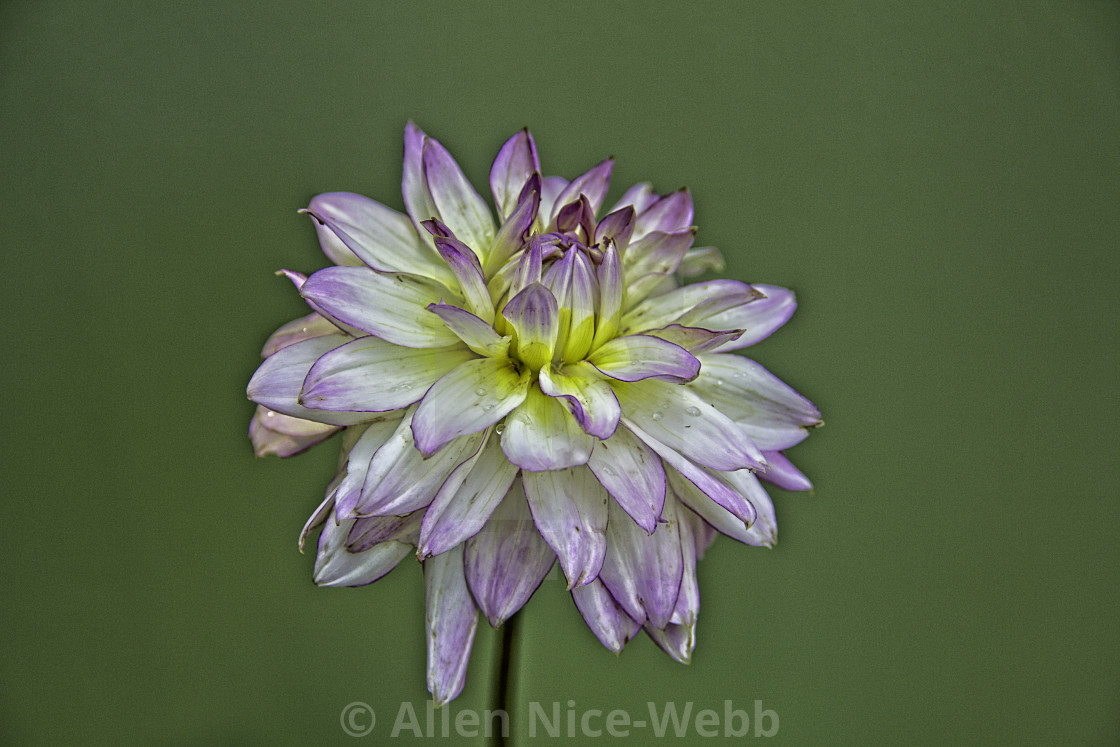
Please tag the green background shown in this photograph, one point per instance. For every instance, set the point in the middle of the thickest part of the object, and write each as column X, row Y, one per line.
column 939, row 182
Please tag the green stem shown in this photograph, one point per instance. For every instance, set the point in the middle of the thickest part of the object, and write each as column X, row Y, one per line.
column 503, row 688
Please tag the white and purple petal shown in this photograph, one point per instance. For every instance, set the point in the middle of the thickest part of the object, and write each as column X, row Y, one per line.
column 606, row 618
column 589, row 399
column 570, row 511
column 633, row 475
column 783, row 474
column 515, row 163
column 475, row 333
column 637, row 357
column 759, row 318
column 277, row 382
column 451, row 619
column 541, row 434
column 459, row 205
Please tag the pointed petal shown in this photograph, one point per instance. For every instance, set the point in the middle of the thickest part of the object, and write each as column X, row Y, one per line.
column 677, row 305
column 632, row 473
column 542, row 435
column 670, row 213
column 638, row 357
column 379, row 236
column 719, row 518
column 460, row 206
column 417, row 199
column 451, row 619
column 607, row 620
column 783, row 474
column 468, row 399
column 551, row 187
column 465, row 501
column 390, row 306
column 475, row 333
column 582, row 303
column 401, row 480
column 695, row 340
column 589, row 399
column 643, row 572
column 699, row 477
column 277, row 383
column 657, row 252
column 766, row 408
column 593, row 183
column 508, row 559
column 514, row 164
column 616, row 227
column 297, row 330
column 700, row 260
column 357, row 465
column 336, row 566
column 760, row 319
column 675, row 640
column 570, row 511
column 275, row 433
column 465, row 266
column 320, row 514
column 534, row 315
column 763, row 531
column 692, row 532
column 640, row 197
column 684, row 421
column 371, row 375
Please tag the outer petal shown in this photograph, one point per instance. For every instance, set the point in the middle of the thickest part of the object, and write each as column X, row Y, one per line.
column 632, row 473
column 465, row 501
column 451, row 619
column 358, row 459
column 465, row 266
column 380, row 237
column 570, row 510
column 514, row 164
column 681, row 419
column 417, row 199
column 783, row 474
column 675, row 640
column 542, row 435
column 695, row 340
column 591, row 400
column 508, row 559
column 637, row 357
column 678, row 306
column 643, row 572
column 400, row 480
column 274, row 433
column 475, row 333
column 373, row 530
column 514, row 232
column 276, row 384
column 470, row 398
column 718, row 517
column 670, row 213
column 698, row 476
column 700, row 260
column 760, row 319
column 390, row 306
column 763, row 531
column 297, row 330
column 640, row 197
column 769, row 410
column 607, row 620
column 337, row 566
column 460, row 207
column 371, row 375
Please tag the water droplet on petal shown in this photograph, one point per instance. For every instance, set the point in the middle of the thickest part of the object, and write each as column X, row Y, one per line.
column 489, row 407
column 694, row 411
column 500, row 427
column 719, row 382
column 480, row 392
column 657, row 415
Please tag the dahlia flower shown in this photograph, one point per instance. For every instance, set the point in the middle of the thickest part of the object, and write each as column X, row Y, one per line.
column 526, row 391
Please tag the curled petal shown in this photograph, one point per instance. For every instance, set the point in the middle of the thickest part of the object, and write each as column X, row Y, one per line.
column 617, row 228
column 680, row 305
column 637, row 357
column 593, row 184
column 570, row 511
column 349, row 492
column 390, row 306
column 534, row 315
column 337, row 566
column 508, row 559
column 695, row 340
column 542, row 435
column 451, row 619
column 515, row 231
column 719, row 518
column 371, row 375
column 373, row 530
column 469, row 398
column 475, row 333
column 468, row 272
column 591, row 400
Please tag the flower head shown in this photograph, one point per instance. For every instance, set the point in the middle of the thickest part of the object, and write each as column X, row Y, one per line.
column 527, row 391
